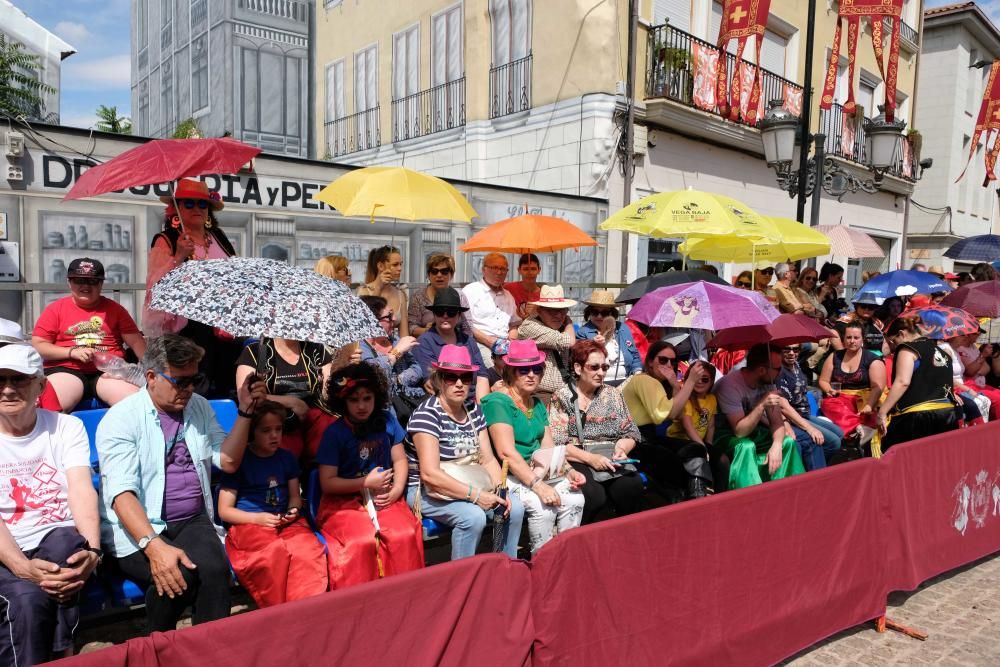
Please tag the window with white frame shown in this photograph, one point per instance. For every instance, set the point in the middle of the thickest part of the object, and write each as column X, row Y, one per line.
column 199, row 55
column 446, row 46
column 166, row 100
column 867, row 85
column 406, row 63
column 336, row 133
column 141, row 24
column 676, row 12
column 773, row 51
column 366, row 94
column 510, row 24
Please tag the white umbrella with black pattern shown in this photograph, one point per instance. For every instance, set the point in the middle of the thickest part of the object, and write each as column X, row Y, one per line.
column 249, row 296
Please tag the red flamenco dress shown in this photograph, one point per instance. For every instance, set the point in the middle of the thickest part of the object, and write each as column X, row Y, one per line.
column 365, row 543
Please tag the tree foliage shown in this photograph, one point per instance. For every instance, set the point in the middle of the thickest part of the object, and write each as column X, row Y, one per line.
column 187, row 129
column 108, row 120
column 21, row 90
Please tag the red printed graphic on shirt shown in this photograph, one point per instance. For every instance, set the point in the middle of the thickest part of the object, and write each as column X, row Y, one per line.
column 33, row 493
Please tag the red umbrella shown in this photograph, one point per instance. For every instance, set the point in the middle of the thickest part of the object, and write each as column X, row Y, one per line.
column 788, row 329
column 982, row 299
column 162, row 160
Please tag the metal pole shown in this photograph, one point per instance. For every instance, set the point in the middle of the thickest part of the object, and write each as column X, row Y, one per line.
column 817, row 195
column 800, row 209
column 906, row 230
column 629, row 159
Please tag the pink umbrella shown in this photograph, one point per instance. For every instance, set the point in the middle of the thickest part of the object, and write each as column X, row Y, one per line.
column 703, row 305
column 848, row 242
column 788, row 329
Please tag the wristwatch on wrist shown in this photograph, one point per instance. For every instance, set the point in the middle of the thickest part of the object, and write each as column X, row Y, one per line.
column 98, row 552
column 144, row 541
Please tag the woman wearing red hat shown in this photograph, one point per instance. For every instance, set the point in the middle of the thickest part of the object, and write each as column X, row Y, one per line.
column 190, row 231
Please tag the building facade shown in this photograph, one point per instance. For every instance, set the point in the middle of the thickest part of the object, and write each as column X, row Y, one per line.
column 270, row 212
column 531, row 94
column 232, row 66
column 960, row 43
column 50, row 50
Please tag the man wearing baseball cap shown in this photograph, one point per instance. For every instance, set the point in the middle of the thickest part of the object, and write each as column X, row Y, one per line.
column 50, row 535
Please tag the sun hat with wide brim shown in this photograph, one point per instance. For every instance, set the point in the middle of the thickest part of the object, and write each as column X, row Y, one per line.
column 523, row 353
column 601, row 297
column 188, row 188
column 552, row 296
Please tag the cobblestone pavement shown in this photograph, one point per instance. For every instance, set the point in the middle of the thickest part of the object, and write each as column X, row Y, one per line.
column 960, row 611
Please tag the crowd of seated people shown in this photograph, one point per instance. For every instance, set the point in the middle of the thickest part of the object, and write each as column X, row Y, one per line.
column 498, row 412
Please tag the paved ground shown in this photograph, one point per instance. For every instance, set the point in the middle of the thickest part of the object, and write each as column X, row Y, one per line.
column 960, row 611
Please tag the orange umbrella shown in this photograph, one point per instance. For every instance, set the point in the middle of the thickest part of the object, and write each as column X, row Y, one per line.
column 528, row 233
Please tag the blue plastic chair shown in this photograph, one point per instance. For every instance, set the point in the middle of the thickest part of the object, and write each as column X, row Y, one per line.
column 90, row 419
column 225, row 412
column 813, row 404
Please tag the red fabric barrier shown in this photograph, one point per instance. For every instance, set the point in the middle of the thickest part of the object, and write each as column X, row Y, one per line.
column 944, row 503
column 747, row 577
column 471, row 612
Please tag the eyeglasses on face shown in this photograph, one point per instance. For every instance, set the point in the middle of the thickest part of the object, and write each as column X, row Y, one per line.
column 528, row 370
column 453, row 378
column 185, row 381
column 789, row 349
column 386, row 318
column 744, row 283
column 601, row 313
column 664, row 360
column 812, row 278
column 86, row 281
column 191, row 203
column 597, row 367
column 444, row 271
column 446, row 312
column 767, row 271
column 17, row 380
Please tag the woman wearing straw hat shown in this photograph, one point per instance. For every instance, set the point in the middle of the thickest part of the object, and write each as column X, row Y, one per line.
column 602, row 326
column 449, row 429
column 519, row 428
column 552, row 330
column 191, row 232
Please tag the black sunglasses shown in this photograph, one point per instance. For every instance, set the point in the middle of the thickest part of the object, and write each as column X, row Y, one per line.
column 667, row 360
column 191, row 203
column 525, row 370
column 743, row 283
column 18, row 380
column 86, row 281
column 447, row 312
column 186, row 381
column 452, row 378
column 386, row 318
column 595, row 367
column 602, row 313
column 768, row 271
column 446, row 271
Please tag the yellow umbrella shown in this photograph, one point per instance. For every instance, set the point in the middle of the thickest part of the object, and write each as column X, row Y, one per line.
column 795, row 241
column 396, row 192
column 689, row 214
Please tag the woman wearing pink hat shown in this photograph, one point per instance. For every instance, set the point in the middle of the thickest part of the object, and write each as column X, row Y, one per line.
column 519, row 428
column 191, row 232
column 453, row 473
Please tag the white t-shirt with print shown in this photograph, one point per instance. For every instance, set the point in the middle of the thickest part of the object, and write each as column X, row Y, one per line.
column 34, row 496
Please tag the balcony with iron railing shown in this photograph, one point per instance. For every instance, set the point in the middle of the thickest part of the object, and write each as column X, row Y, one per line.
column 670, row 69
column 832, row 124
column 510, row 87
column 907, row 33
column 430, row 111
column 360, row 131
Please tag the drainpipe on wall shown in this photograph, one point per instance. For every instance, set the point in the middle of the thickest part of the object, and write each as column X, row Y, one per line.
column 311, row 79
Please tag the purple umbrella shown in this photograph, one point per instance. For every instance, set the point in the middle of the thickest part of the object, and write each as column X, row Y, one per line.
column 703, row 305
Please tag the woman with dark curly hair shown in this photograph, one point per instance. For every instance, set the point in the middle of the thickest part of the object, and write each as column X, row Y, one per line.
column 191, row 232
column 362, row 472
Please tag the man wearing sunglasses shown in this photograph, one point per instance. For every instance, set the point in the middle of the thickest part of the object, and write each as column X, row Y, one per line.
column 447, row 310
column 49, row 536
column 492, row 308
column 157, row 449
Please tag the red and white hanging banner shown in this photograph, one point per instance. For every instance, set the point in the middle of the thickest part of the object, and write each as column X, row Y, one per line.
column 851, row 12
column 741, row 19
column 988, row 123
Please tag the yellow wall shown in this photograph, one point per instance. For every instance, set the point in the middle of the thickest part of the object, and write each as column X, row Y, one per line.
column 576, row 46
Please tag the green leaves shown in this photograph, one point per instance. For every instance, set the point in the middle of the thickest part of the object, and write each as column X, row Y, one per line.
column 21, row 90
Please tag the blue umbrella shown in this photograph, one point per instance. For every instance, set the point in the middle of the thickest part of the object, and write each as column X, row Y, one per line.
column 901, row 283
column 983, row 248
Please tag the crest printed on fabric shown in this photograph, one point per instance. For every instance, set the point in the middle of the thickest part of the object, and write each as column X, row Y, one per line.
column 851, row 12
column 987, row 121
column 741, row 19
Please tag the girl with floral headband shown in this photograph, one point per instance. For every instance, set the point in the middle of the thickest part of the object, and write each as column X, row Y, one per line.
column 369, row 529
